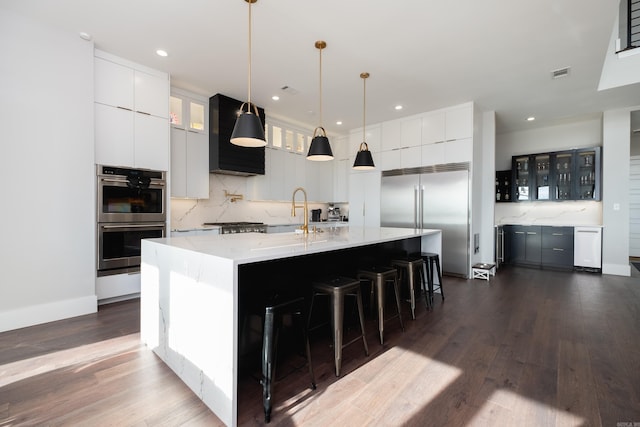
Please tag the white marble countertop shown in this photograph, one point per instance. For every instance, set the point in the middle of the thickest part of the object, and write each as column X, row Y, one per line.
column 246, row 248
column 546, row 224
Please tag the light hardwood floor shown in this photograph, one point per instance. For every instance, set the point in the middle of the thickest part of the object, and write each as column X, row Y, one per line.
column 531, row 347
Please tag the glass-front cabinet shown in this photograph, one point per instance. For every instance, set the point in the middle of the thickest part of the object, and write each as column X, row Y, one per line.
column 187, row 113
column 563, row 179
column 521, row 178
column 542, row 164
column 562, row 175
column 588, row 174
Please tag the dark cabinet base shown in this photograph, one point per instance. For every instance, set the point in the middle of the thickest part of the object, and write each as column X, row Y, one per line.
column 539, row 246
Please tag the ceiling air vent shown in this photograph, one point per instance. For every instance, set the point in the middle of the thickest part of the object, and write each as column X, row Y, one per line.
column 561, row 72
column 289, row 90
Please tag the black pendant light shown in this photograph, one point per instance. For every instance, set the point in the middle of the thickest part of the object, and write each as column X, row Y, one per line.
column 364, row 159
column 248, row 130
column 320, row 149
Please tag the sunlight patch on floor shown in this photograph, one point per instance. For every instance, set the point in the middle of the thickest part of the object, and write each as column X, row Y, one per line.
column 505, row 407
column 85, row 354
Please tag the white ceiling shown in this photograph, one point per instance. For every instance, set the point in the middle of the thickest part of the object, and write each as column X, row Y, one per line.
column 423, row 54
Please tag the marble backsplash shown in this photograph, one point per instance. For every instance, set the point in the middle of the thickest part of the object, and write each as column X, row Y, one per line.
column 192, row 213
column 549, row 213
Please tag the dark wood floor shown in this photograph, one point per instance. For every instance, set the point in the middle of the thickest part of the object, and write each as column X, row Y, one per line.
column 530, row 347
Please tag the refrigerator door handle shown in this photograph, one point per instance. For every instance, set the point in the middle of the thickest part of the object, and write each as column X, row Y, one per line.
column 416, row 202
column 421, row 207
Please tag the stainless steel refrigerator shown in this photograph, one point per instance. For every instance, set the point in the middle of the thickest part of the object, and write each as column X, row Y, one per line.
column 431, row 197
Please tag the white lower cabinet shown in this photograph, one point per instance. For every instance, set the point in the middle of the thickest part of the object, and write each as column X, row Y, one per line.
column 195, row 232
column 120, row 286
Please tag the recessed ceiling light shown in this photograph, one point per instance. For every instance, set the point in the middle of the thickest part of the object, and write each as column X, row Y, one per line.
column 398, row 107
column 530, row 118
column 162, row 53
column 338, row 122
column 275, row 97
column 85, row 36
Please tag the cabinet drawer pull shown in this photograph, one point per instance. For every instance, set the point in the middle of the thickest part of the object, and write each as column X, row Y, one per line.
column 143, row 112
column 558, row 249
column 531, row 232
column 124, row 108
column 519, row 232
column 557, row 234
column 587, row 231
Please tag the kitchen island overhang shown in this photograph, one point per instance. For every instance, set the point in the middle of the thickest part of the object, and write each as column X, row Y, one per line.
column 190, row 295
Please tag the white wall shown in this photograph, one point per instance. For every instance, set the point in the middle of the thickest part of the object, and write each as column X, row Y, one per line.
column 579, row 134
column 487, row 161
column 615, row 191
column 47, row 178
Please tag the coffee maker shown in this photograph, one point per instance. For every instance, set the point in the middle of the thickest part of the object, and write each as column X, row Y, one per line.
column 315, row 215
column 333, row 213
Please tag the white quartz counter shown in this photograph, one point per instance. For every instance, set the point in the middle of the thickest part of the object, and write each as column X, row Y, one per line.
column 246, row 248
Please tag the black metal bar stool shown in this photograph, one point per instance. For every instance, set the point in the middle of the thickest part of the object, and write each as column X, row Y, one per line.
column 272, row 321
column 412, row 268
column 379, row 277
column 336, row 289
column 431, row 262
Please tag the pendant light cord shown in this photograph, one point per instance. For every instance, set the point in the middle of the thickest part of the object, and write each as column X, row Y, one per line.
column 249, row 74
column 320, row 87
column 364, row 106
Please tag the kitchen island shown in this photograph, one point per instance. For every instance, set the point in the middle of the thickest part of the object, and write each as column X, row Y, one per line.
column 191, row 291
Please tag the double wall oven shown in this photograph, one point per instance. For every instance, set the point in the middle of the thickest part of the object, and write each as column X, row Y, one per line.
column 131, row 205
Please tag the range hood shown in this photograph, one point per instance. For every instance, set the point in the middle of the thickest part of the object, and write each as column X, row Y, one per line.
column 224, row 157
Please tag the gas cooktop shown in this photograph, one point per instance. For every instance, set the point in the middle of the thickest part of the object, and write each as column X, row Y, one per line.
column 225, row 224
column 239, row 227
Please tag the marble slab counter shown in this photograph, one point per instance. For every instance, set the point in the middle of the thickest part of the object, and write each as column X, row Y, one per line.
column 190, row 296
column 245, row 248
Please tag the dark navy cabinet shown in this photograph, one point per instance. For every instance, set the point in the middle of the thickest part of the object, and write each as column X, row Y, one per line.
column 557, row 176
column 539, row 246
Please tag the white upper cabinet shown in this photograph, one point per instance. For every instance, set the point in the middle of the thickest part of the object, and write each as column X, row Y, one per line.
column 459, row 123
column 151, row 142
column 372, row 136
column 114, row 136
column 131, row 114
column 126, row 88
column 447, row 125
column 151, row 95
column 340, row 147
column 411, row 132
column 189, row 145
column 341, row 170
column 390, row 135
column 433, row 128
column 114, row 84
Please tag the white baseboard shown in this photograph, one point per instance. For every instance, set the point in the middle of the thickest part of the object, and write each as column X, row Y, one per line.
column 50, row 312
column 616, row 269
